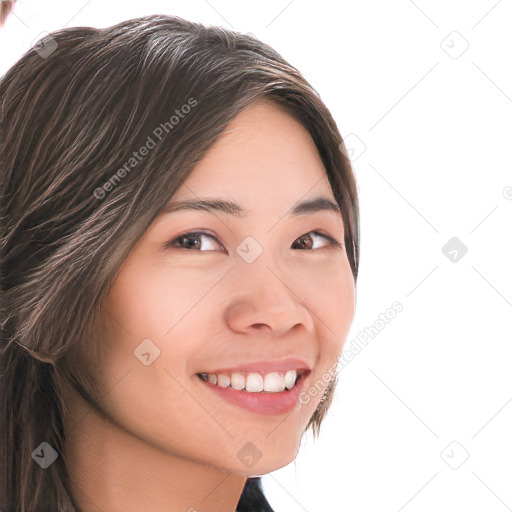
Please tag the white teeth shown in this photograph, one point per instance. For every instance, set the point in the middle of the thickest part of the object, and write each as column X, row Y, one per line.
column 237, row 381
column 273, row 382
column 290, row 378
column 254, row 383
column 222, row 380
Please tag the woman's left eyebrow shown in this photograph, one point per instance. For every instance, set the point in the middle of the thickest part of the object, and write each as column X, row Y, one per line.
column 217, row 205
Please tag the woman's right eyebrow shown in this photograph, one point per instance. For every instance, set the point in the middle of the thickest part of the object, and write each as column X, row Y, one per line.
column 219, row 205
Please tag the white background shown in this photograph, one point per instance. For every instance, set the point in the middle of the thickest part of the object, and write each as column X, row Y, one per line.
column 431, row 140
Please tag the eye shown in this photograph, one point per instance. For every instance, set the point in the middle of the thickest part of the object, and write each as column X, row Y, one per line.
column 192, row 240
column 308, row 236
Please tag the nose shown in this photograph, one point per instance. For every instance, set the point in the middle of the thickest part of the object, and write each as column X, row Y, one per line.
column 267, row 302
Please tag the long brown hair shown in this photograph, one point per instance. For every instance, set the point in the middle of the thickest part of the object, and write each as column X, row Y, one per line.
column 75, row 201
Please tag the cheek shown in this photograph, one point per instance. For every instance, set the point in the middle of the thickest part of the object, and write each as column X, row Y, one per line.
column 332, row 304
column 130, row 299
column 149, row 301
column 157, row 303
column 328, row 291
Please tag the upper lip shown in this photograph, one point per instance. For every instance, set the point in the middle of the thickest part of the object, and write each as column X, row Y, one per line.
column 291, row 363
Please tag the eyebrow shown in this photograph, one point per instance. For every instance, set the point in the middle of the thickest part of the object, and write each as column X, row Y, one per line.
column 307, row 207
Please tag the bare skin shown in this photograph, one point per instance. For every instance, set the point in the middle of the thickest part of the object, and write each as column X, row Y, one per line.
column 170, row 443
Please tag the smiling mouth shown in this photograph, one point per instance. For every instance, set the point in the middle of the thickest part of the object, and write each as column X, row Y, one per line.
column 256, row 382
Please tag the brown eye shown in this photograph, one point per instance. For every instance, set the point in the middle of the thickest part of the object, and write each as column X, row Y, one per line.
column 305, row 240
column 191, row 241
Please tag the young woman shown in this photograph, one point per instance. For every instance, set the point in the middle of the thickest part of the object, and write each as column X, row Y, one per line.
column 179, row 247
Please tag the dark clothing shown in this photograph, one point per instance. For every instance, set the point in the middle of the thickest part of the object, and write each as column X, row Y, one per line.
column 252, row 498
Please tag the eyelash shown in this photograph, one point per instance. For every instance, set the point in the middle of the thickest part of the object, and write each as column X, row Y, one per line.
column 174, row 242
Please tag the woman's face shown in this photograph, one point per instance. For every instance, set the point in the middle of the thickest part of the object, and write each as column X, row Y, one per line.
column 251, row 293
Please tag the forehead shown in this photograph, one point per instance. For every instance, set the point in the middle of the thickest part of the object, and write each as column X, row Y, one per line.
column 264, row 158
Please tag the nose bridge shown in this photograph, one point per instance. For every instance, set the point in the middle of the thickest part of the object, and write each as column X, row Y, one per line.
column 266, row 294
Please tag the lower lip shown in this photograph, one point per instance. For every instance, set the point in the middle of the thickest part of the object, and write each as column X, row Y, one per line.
column 263, row 402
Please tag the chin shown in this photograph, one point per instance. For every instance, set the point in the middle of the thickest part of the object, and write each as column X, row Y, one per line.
column 265, row 466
